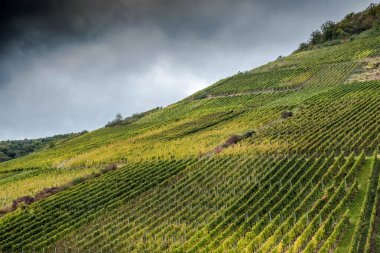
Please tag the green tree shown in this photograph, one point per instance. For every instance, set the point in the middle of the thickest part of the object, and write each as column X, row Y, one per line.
column 316, row 37
column 328, row 31
column 118, row 117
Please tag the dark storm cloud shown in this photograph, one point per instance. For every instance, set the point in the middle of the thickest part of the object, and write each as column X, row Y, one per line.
column 68, row 65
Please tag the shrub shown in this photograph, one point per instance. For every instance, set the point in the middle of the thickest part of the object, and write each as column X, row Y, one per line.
column 286, row 114
column 248, row 134
column 25, row 199
column 233, row 140
column 46, row 192
column 109, row 168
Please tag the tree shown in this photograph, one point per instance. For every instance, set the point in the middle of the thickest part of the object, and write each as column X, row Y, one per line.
column 303, row 46
column 371, row 8
column 116, row 121
column 118, row 117
column 316, row 37
column 328, row 30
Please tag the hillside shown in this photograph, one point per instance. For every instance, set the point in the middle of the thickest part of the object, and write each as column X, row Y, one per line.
column 281, row 158
column 12, row 149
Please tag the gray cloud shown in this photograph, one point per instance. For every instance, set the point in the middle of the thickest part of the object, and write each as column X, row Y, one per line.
column 72, row 65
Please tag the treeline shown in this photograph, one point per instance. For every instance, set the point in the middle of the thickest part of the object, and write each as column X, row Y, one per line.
column 12, row 149
column 119, row 120
column 352, row 24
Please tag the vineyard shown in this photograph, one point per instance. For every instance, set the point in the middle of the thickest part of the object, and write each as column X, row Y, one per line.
column 281, row 158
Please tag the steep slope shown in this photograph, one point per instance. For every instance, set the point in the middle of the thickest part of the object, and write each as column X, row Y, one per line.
column 306, row 178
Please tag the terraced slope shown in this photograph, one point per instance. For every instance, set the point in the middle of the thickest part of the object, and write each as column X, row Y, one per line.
column 222, row 170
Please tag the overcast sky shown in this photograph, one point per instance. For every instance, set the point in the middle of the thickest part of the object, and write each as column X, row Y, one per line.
column 70, row 65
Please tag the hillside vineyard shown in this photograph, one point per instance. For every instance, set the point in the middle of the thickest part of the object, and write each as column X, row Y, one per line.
column 282, row 158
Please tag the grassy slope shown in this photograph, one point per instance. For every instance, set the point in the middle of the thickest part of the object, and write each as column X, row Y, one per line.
column 330, row 117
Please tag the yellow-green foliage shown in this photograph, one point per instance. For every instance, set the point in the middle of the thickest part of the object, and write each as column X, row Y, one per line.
column 30, row 182
column 281, row 189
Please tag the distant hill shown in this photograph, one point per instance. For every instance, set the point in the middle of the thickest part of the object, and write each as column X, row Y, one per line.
column 12, row 149
column 281, row 158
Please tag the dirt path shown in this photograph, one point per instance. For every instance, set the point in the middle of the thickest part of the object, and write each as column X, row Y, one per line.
column 255, row 92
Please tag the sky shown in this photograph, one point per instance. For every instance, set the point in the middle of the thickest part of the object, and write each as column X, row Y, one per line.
column 72, row 65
